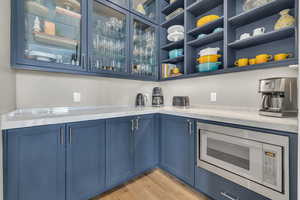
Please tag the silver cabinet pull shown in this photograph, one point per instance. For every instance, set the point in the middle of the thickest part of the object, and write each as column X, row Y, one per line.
column 137, row 123
column 228, row 196
column 132, row 126
column 190, row 127
column 70, row 135
column 62, row 137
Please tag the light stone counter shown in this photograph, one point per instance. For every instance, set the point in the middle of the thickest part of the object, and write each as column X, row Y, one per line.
column 38, row 117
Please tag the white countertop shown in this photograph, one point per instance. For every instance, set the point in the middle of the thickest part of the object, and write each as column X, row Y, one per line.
column 45, row 116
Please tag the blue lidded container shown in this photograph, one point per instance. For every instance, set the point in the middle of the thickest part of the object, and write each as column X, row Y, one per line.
column 208, row 67
column 175, row 53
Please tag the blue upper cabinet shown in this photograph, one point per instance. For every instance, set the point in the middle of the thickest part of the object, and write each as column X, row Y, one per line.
column 35, row 163
column 49, row 35
column 119, row 150
column 145, row 143
column 108, row 38
column 144, row 48
column 85, row 159
column 177, row 147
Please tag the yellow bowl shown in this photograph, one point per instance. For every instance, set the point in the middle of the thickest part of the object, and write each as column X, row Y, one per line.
column 209, row 59
column 207, row 19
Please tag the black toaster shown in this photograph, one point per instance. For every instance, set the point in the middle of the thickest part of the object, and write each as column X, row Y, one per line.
column 181, row 101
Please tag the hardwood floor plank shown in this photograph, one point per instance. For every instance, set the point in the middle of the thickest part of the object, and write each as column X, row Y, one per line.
column 156, row 185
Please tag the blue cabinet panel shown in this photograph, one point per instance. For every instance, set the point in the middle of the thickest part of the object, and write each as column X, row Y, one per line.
column 177, row 147
column 216, row 187
column 85, row 159
column 35, row 163
column 119, row 142
column 145, row 144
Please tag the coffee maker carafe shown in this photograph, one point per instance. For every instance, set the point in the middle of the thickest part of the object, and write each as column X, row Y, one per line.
column 157, row 97
column 279, row 97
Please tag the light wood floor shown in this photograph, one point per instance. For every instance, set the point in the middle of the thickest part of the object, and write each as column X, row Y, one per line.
column 156, row 185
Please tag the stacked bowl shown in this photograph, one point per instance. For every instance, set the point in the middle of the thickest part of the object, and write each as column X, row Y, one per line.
column 208, row 60
column 176, row 33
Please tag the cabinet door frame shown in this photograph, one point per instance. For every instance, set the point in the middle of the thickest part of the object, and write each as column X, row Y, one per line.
column 140, row 19
column 112, row 183
column 155, row 138
column 190, row 180
column 11, row 137
column 69, row 151
column 90, row 37
column 18, row 37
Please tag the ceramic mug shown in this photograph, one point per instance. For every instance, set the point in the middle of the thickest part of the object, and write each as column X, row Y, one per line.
column 282, row 56
column 242, row 62
column 259, row 31
column 252, row 61
column 245, row 36
column 263, row 58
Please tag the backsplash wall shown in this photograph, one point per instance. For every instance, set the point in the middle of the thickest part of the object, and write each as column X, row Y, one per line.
column 236, row 89
column 39, row 89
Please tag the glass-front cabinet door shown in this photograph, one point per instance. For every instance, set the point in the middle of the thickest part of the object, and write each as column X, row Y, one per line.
column 122, row 3
column 144, row 48
column 50, row 34
column 108, row 38
column 147, row 8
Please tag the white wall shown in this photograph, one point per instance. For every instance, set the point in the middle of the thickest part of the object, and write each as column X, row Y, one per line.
column 236, row 89
column 39, row 89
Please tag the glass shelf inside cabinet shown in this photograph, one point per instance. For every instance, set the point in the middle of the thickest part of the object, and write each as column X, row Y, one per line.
column 109, row 39
column 144, row 61
column 145, row 7
column 52, row 31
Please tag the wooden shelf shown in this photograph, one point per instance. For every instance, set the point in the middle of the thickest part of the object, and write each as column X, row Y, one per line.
column 173, row 45
column 172, row 7
column 177, row 20
column 199, row 7
column 55, row 40
column 255, row 14
column 174, row 60
column 264, row 38
column 208, row 28
column 213, row 37
column 268, row 65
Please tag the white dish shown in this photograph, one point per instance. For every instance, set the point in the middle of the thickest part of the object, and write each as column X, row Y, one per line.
column 42, row 55
column 175, row 36
column 209, row 51
column 176, row 28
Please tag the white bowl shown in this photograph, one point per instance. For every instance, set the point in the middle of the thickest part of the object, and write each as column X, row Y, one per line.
column 175, row 36
column 176, row 28
column 209, row 51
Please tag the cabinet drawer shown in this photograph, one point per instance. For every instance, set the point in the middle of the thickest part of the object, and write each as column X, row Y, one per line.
column 219, row 188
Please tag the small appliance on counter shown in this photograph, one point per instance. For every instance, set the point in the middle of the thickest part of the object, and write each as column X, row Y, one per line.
column 157, row 97
column 279, row 97
column 141, row 100
column 181, row 101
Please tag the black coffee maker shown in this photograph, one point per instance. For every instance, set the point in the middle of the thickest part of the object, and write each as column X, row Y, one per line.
column 157, row 97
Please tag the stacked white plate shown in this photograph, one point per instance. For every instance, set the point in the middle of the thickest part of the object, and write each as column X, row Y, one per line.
column 176, row 33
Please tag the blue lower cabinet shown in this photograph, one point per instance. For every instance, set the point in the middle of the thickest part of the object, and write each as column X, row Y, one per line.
column 177, row 147
column 120, row 155
column 35, row 163
column 145, row 143
column 85, row 159
column 220, row 188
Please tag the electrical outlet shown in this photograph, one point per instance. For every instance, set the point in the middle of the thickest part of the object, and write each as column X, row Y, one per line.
column 213, row 96
column 76, row 97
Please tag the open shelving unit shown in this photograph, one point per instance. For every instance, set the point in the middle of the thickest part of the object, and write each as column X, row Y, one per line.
column 235, row 21
column 166, row 45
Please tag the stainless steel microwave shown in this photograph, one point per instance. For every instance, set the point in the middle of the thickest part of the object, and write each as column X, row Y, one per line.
column 256, row 160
